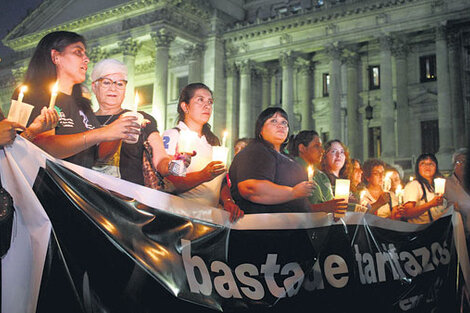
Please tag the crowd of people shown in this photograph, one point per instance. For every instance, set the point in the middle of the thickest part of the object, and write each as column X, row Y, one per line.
column 268, row 173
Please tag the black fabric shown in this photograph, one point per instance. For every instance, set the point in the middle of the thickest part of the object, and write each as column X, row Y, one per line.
column 130, row 162
column 6, row 220
column 258, row 161
column 72, row 120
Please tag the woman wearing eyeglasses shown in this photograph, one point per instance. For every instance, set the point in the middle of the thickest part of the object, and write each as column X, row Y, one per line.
column 263, row 178
column 422, row 204
column 78, row 138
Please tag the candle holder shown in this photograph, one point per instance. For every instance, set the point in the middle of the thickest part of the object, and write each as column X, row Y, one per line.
column 220, row 153
column 439, row 186
column 341, row 192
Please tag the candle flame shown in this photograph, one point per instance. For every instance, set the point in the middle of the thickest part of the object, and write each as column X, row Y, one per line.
column 225, row 134
column 388, row 175
column 23, row 88
column 310, row 172
column 411, row 178
column 136, row 100
column 399, row 189
column 55, row 88
column 363, row 194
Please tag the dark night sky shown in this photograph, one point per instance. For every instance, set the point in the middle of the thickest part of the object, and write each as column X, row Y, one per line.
column 12, row 12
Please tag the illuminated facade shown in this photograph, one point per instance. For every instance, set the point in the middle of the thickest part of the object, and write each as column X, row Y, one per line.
column 389, row 78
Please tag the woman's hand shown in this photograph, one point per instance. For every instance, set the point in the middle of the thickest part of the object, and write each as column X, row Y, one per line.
column 398, row 212
column 186, row 157
column 383, row 199
column 335, row 205
column 437, row 200
column 303, row 189
column 8, row 132
column 235, row 212
column 125, row 127
column 212, row 170
column 47, row 120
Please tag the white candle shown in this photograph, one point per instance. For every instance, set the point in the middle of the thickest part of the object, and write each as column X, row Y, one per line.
column 310, row 172
column 55, row 89
column 399, row 192
column 342, row 189
column 411, row 178
column 186, row 141
column 21, row 94
column 220, row 153
column 224, row 139
column 387, row 181
column 136, row 102
column 439, row 185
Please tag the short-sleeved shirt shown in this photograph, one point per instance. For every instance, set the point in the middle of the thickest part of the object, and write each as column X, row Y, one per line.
column 72, row 120
column 259, row 161
column 413, row 192
column 322, row 191
column 130, row 156
column 208, row 192
column 385, row 210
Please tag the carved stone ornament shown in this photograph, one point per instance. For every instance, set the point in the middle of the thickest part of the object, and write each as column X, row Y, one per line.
column 285, row 39
column 194, row 52
column 96, row 54
column 334, row 50
column 287, row 59
column 230, row 69
column 331, row 29
column 246, row 67
column 129, row 47
column 303, row 66
column 162, row 37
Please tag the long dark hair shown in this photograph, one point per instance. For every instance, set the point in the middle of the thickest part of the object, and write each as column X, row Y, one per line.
column 304, row 137
column 346, row 170
column 421, row 179
column 262, row 118
column 185, row 96
column 42, row 73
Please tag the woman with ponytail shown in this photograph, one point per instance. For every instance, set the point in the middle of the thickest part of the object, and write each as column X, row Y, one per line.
column 422, row 204
column 203, row 180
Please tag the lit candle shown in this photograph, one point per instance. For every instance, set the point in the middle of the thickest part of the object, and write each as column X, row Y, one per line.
column 186, row 141
column 362, row 197
column 387, row 181
column 22, row 91
column 55, row 89
column 224, row 139
column 411, row 178
column 136, row 102
column 342, row 189
column 220, row 153
column 311, row 172
column 399, row 192
column 439, row 185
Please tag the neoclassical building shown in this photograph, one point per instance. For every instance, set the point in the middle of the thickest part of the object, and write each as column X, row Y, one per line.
column 390, row 78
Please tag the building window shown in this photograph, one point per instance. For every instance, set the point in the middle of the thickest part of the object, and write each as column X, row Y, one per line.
column 375, row 142
column 429, row 136
column 326, row 84
column 427, row 68
column 145, row 94
column 181, row 82
column 374, row 77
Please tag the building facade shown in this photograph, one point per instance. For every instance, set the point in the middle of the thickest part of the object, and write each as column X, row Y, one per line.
column 390, row 78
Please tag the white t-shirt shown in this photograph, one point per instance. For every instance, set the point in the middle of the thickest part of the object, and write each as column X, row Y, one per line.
column 413, row 192
column 385, row 210
column 208, row 192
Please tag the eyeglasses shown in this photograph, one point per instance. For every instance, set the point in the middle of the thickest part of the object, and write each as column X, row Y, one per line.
column 275, row 122
column 460, row 162
column 429, row 164
column 107, row 83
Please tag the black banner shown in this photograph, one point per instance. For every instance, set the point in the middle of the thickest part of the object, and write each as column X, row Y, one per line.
column 109, row 253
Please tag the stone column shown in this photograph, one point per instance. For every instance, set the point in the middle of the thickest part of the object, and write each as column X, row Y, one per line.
column 354, row 133
column 287, row 62
column 334, row 52
column 387, row 112
column 274, row 87
column 304, row 67
column 245, row 124
column 129, row 51
column 231, row 75
column 456, row 93
column 95, row 55
column 443, row 100
column 162, row 39
column 400, row 52
column 194, row 54
column 266, row 87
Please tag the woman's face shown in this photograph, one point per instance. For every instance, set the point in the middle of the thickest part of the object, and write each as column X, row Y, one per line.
column 199, row 108
column 395, row 179
column 275, row 129
column 427, row 168
column 335, row 157
column 357, row 173
column 314, row 151
column 72, row 63
column 110, row 90
column 376, row 177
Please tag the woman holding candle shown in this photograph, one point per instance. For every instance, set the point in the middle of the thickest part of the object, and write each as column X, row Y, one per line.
column 203, row 180
column 383, row 203
column 422, row 204
column 264, row 179
column 60, row 57
column 307, row 150
column 336, row 162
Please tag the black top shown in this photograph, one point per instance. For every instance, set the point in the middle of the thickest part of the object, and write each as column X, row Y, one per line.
column 131, row 155
column 258, row 161
column 75, row 116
